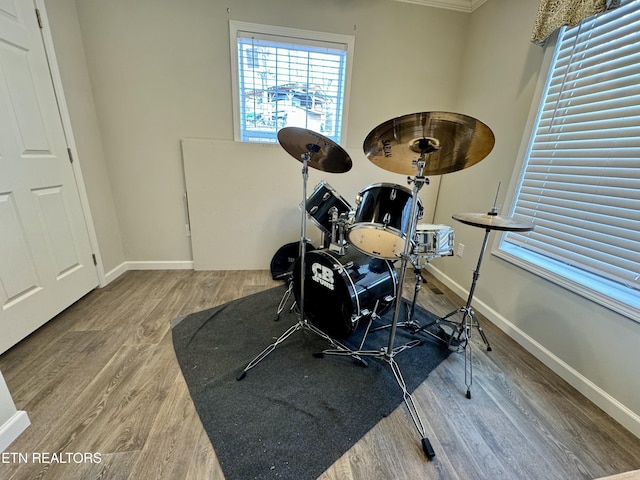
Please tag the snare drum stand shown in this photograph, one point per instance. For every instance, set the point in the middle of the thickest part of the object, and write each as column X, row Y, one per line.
column 302, row 323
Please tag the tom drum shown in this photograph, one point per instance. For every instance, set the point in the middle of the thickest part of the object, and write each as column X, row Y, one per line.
column 320, row 202
column 381, row 220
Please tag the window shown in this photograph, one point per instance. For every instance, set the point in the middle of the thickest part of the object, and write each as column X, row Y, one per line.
column 286, row 77
column 580, row 183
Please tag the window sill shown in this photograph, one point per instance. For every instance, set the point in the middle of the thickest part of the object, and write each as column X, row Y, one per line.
column 616, row 297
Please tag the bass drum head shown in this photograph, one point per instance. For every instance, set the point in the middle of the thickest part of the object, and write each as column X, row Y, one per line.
column 283, row 260
column 338, row 288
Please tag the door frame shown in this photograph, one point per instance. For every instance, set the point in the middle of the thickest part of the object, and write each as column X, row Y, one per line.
column 65, row 116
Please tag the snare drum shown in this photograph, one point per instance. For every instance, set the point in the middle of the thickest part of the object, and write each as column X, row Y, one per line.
column 434, row 240
column 382, row 218
column 320, row 202
column 339, row 289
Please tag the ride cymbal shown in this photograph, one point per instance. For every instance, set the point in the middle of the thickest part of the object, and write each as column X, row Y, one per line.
column 493, row 222
column 451, row 142
column 326, row 155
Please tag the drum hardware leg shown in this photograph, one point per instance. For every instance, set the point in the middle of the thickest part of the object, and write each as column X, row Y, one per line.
column 413, row 410
column 269, row 349
column 419, row 278
column 285, row 299
column 389, row 357
column 450, row 331
column 356, row 354
column 462, row 331
column 410, row 323
column 418, row 182
column 373, row 316
column 302, row 321
column 468, row 353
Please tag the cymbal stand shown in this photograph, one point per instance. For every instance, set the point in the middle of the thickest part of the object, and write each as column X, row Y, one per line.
column 302, row 323
column 469, row 319
column 388, row 354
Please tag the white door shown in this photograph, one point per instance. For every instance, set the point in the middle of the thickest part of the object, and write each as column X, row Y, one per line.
column 46, row 262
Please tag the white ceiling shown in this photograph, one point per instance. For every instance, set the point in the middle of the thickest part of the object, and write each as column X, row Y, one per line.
column 459, row 5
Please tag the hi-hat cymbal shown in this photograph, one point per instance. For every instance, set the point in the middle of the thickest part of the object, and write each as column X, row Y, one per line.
column 493, row 222
column 452, row 141
column 326, row 155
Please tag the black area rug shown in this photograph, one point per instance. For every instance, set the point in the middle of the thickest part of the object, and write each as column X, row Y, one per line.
column 293, row 415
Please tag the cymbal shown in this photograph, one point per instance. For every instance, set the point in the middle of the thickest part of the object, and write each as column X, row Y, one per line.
column 451, row 142
column 327, row 155
column 493, row 222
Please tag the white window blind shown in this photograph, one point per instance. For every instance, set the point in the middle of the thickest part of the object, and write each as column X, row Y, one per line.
column 581, row 180
column 288, row 77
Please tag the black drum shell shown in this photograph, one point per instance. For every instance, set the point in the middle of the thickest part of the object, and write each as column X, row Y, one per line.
column 382, row 219
column 339, row 288
column 281, row 265
column 319, row 203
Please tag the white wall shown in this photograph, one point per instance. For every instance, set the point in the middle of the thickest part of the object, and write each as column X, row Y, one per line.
column 160, row 72
column 592, row 347
column 70, row 56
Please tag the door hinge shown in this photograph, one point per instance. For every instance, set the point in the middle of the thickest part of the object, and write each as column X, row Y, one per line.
column 39, row 18
column 70, row 155
column 95, row 260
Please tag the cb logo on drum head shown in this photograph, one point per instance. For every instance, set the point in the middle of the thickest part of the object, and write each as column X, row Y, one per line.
column 322, row 275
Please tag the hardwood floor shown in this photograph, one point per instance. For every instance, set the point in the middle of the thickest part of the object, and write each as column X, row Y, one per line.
column 102, row 379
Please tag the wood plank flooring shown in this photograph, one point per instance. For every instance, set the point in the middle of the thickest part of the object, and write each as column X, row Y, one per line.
column 102, row 378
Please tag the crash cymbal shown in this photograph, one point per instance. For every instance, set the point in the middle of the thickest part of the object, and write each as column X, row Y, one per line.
column 327, row 155
column 493, row 222
column 451, row 140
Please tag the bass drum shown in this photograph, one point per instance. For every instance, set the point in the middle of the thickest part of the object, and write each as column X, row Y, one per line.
column 338, row 289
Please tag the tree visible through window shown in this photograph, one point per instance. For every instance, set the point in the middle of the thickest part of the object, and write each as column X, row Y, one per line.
column 288, row 78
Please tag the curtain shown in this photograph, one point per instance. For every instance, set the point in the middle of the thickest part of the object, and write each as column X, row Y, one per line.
column 553, row 14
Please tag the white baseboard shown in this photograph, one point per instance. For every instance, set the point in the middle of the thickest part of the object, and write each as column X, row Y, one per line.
column 115, row 273
column 623, row 415
column 12, row 429
column 171, row 265
column 126, row 266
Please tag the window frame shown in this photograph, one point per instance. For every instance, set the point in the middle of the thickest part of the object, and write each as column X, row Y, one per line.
column 309, row 35
column 620, row 299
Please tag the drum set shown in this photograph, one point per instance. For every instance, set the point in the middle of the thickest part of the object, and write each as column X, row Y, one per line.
column 354, row 279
